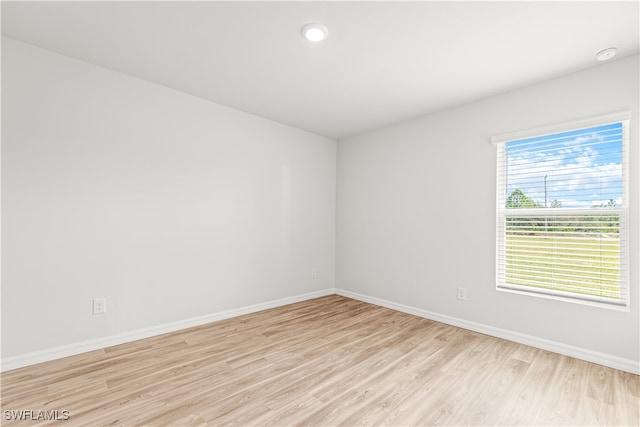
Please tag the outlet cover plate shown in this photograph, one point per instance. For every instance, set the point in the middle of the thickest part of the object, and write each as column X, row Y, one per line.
column 99, row 305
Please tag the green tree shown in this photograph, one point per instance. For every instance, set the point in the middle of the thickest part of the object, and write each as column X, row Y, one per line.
column 610, row 204
column 517, row 199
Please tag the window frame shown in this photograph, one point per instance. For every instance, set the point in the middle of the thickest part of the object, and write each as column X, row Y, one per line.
column 501, row 181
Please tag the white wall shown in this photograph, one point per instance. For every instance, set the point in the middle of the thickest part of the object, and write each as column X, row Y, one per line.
column 416, row 211
column 169, row 206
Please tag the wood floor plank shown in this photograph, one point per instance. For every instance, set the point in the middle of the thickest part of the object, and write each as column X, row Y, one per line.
column 331, row 361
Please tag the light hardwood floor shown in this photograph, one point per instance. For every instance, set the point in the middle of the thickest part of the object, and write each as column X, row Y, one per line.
column 329, row 361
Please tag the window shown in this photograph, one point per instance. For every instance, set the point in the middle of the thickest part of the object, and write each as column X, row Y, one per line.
column 562, row 212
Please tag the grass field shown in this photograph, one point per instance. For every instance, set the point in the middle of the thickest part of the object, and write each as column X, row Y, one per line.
column 581, row 264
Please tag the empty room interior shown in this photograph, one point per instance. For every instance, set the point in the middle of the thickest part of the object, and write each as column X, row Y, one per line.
column 320, row 213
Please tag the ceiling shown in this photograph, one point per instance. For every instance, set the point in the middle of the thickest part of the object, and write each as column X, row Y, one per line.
column 383, row 62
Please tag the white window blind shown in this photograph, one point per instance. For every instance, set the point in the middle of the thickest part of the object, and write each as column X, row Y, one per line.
column 562, row 213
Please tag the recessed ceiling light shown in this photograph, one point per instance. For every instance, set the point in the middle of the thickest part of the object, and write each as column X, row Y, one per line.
column 605, row 54
column 314, row 32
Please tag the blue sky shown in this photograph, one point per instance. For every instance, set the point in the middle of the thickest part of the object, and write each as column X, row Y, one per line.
column 583, row 168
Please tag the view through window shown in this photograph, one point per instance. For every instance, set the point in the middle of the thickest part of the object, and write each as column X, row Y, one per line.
column 561, row 214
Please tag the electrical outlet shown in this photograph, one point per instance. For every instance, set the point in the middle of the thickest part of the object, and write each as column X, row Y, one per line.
column 462, row 294
column 314, row 273
column 99, row 305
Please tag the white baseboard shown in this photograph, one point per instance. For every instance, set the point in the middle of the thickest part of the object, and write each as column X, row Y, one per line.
column 615, row 362
column 33, row 358
column 20, row 361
